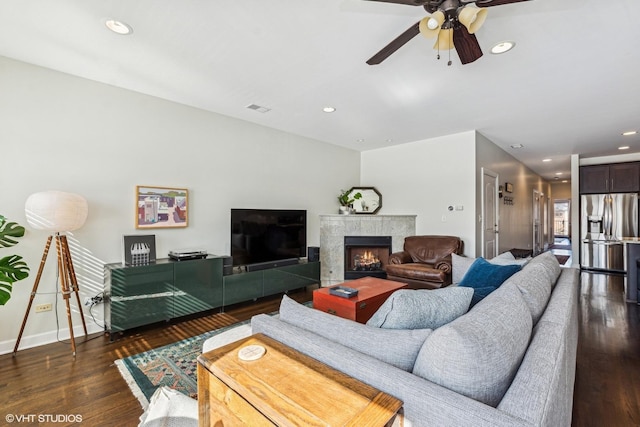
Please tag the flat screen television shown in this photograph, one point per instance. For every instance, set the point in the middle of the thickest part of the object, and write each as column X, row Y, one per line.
column 260, row 236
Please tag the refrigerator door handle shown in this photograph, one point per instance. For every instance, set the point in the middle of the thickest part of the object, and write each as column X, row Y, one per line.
column 607, row 217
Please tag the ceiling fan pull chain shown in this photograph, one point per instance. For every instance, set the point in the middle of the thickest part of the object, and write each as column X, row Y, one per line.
column 450, row 44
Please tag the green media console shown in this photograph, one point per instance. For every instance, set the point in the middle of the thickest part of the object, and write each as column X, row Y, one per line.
column 167, row 289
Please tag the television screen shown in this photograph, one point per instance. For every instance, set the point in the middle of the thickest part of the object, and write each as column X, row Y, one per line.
column 262, row 235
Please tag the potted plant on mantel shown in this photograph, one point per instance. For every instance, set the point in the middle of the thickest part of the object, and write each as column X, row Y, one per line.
column 346, row 200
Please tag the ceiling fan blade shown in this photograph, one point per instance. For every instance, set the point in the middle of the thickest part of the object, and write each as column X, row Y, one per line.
column 407, row 2
column 396, row 44
column 466, row 45
column 488, row 3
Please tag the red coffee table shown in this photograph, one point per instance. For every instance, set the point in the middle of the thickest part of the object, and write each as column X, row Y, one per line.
column 372, row 292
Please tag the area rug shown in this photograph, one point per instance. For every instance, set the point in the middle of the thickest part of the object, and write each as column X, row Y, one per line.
column 174, row 365
column 562, row 259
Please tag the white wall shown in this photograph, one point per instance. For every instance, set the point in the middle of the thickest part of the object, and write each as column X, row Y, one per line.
column 425, row 178
column 516, row 220
column 61, row 132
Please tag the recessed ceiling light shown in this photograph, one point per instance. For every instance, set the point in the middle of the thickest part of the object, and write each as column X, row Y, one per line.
column 624, row 147
column 558, row 173
column 516, row 146
column 328, row 109
column 360, row 140
column 629, row 133
column 546, row 160
column 502, row 47
column 118, row 27
column 258, row 108
column 389, row 140
column 564, row 181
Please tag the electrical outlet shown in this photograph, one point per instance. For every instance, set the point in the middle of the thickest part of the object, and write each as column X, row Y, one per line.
column 43, row 307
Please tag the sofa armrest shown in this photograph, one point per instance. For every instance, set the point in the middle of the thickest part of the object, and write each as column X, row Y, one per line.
column 400, row 258
column 425, row 403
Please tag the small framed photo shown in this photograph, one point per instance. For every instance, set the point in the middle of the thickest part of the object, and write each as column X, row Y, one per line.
column 139, row 249
column 161, row 207
column 508, row 187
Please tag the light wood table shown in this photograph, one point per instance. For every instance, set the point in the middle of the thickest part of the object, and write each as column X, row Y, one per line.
column 285, row 388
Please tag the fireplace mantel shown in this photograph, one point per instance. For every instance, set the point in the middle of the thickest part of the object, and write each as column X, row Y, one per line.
column 333, row 228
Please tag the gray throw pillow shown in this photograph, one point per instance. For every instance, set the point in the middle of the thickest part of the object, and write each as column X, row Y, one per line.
column 395, row 347
column 422, row 309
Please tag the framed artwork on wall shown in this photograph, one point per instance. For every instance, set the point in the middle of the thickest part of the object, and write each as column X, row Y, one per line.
column 508, row 187
column 161, row 207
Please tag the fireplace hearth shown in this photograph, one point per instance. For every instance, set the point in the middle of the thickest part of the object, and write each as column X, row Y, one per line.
column 366, row 256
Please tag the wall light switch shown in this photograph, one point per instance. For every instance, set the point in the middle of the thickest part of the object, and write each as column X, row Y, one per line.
column 444, row 218
column 459, row 207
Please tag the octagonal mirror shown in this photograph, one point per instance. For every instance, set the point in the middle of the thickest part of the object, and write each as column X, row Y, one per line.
column 370, row 202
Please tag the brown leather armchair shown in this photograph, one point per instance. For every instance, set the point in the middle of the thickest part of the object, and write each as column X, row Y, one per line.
column 425, row 262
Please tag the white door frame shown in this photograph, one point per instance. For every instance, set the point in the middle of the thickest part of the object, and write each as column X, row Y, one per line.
column 496, row 228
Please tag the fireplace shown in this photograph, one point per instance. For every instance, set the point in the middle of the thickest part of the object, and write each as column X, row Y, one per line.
column 366, row 256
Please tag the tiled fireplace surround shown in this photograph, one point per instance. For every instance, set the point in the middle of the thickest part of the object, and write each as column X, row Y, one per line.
column 333, row 229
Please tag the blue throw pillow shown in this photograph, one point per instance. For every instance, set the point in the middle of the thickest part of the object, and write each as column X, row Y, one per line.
column 485, row 277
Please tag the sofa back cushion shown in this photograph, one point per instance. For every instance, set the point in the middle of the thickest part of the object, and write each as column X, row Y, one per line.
column 479, row 353
column 431, row 249
column 535, row 285
column 551, row 265
column 394, row 346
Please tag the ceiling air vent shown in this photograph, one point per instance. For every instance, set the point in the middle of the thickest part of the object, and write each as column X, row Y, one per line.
column 259, row 108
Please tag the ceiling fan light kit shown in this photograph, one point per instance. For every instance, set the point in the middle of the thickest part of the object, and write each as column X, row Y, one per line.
column 452, row 22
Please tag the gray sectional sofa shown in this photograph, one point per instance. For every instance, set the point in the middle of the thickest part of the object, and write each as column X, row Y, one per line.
column 509, row 361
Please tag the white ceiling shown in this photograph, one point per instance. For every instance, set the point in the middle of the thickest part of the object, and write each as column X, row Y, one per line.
column 570, row 86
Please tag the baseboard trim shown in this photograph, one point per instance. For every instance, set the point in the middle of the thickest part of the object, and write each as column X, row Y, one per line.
column 37, row 340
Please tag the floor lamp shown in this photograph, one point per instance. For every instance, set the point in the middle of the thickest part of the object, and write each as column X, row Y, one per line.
column 57, row 212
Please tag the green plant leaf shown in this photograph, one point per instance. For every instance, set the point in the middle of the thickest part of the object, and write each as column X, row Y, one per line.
column 9, row 230
column 12, row 269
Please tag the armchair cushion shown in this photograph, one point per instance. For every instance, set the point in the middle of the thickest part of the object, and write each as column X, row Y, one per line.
column 425, row 261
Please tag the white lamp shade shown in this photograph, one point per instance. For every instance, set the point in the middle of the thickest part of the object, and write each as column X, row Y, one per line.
column 472, row 18
column 56, row 211
column 430, row 25
column 445, row 40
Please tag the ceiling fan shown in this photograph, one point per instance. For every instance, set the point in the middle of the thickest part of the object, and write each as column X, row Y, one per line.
column 452, row 22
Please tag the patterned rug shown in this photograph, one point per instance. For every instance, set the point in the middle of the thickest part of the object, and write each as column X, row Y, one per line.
column 173, row 365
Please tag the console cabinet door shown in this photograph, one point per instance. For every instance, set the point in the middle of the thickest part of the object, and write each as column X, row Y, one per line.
column 197, row 286
column 594, row 179
column 242, row 287
column 140, row 296
column 624, row 177
column 284, row 279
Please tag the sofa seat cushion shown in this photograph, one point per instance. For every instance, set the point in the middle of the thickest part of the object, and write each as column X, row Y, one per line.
column 393, row 346
column 478, row 354
column 483, row 276
column 416, row 271
column 421, row 309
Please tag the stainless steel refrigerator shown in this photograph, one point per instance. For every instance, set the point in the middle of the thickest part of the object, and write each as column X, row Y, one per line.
column 605, row 220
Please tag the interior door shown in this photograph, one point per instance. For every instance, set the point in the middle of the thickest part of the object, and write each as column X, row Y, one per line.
column 537, row 223
column 490, row 217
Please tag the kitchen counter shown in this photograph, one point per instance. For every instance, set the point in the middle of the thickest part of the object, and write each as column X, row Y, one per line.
column 632, row 250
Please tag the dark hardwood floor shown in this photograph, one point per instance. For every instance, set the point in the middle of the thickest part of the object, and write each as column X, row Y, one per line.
column 47, row 380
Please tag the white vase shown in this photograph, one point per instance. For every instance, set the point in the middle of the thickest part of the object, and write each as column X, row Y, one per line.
column 345, row 210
